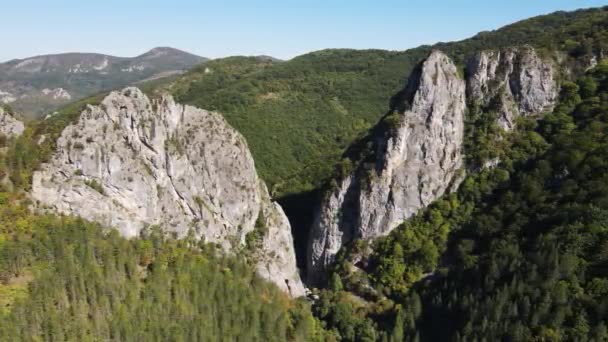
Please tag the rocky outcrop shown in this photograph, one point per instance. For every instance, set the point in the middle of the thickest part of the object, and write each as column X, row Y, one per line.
column 6, row 97
column 417, row 157
column 416, row 160
column 9, row 126
column 133, row 163
column 57, row 94
column 513, row 82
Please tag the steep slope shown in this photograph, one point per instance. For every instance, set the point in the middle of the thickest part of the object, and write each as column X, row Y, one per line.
column 528, row 260
column 133, row 163
column 415, row 162
column 518, row 253
column 38, row 85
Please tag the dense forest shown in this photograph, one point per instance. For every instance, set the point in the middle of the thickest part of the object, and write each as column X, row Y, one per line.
column 62, row 278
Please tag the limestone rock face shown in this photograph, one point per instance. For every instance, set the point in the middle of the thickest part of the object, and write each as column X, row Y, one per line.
column 514, row 81
column 133, row 163
column 416, row 162
column 9, row 126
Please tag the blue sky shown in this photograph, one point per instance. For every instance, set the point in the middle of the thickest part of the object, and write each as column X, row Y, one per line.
column 281, row 28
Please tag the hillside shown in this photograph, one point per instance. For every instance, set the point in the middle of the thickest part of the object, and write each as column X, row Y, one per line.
column 38, row 85
column 299, row 115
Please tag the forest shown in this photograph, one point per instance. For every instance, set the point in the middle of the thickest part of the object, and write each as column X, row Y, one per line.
column 65, row 279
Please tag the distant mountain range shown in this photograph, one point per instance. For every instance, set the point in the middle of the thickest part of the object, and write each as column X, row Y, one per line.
column 37, row 85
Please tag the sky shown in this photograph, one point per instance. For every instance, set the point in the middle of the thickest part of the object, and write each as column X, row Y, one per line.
column 279, row 28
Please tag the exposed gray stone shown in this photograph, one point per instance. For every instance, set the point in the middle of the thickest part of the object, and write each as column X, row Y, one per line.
column 416, row 161
column 516, row 81
column 9, row 126
column 132, row 163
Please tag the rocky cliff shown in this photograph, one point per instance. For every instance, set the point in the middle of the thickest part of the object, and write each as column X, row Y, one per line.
column 418, row 156
column 415, row 162
column 9, row 126
column 133, row 163
column 513, row 82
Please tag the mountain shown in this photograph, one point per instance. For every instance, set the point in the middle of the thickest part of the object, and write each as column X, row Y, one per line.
column 481, row 224
column 416, row 157
column 517, row 253
column 181, row 185
column 36, row 86
column 416, row 154
column 188, row 172
column 450, row 192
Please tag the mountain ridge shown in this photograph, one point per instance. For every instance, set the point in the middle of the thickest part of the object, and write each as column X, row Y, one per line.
column 349, row 90
column 100, row 54
column 37, row 85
